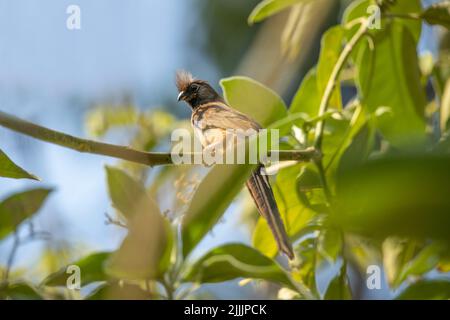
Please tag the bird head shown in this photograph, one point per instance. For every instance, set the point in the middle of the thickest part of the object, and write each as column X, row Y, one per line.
column 195, row 92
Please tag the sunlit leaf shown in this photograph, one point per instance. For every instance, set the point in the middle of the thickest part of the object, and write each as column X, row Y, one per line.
column 232, row 261
column 91, row 269
column 9, row 169
column 307, row 98
column 19, row 207
column 254, row 99
column 267, row 8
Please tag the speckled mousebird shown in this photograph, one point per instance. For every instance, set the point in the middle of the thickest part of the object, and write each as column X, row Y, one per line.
column 211, row 117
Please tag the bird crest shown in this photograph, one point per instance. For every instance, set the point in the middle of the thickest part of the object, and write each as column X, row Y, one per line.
column 183, row 80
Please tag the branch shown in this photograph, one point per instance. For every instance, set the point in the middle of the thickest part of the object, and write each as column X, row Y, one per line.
column 334, row 76
column 116, row 151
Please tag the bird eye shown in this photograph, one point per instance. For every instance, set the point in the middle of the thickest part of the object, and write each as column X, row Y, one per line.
column 194, row 87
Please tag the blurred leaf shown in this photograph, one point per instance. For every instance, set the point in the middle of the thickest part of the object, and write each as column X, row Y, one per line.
column 145, row 252
column 103, row 118
column 119, row 291
column 267, row 8
column 9, row 169
column 330, row 243
column 91, row 268
column 19, row 207
column 358, row 151
column 426, row 290
column 304, row 266
column 307, row 97
column 339, row 287
column 438, row 13
column 308, row 178
column 128, row 195
column 213, row 196
column 404, row 195
column 397, row 253
column 20, row 291
column 389, row 76
column 232, row 261
column 331, row 47
column 426, row 260
column 254, row 99
column 294, row 214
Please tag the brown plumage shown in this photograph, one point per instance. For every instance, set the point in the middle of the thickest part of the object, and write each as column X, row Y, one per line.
column 211, row 117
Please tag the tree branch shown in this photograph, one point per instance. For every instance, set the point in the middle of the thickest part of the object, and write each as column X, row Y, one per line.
column 334, row 76
column 116, row 151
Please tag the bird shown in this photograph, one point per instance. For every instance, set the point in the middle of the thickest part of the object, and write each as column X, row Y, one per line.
column 211, row 118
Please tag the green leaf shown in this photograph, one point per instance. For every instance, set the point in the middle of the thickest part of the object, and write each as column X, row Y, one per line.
column 119, row 291
column 232, row 261
column 267, row 8
column 360, row 8
column 389, row 76
column 145, row 252
column 254, row 99
column 330, row 243
column 128, row 195
column 397, row 253
column 307, row 97
column 19, row 207
column 294, row 214
column 91, row 270
column 426, row 260
column 426, row 290
column 308, row 178
column 304, row 267
column 101, row 119
column 359, row 149
column 403, row 195
column 339, row 287
column 213, row 196
column 20, row 291
column 9, row 169
column 438, row 13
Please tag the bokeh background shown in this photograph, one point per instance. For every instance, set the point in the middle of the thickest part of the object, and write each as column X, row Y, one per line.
column 128, row 53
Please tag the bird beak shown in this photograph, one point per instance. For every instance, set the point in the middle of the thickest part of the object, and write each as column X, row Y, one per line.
column 181, row 96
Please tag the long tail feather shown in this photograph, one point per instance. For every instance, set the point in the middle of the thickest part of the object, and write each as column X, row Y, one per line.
column 261, row 192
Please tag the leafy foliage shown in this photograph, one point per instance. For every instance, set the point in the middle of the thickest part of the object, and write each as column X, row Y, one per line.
column 378, row 193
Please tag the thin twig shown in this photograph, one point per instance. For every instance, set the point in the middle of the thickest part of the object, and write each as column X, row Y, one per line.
column 333, row 79
column 116, row 151
column 11, row 256
column 111, row 220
